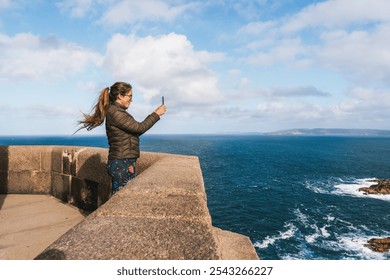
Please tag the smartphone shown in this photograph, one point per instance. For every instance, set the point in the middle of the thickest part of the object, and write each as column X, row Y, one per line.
column 162, row 100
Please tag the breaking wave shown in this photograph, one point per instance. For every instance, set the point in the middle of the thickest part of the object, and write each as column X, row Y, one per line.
column 345, row 187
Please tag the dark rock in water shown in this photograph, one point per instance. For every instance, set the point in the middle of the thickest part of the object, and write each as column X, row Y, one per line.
column 381, row 187
column 381, row 245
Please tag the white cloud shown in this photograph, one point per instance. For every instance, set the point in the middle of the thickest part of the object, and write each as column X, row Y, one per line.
column 28, row 56
column 366, row 100
column 77, row 8
column 51, row 111
column 339, row 13
column 124, row 11
column 364, row 55
column 165, row 65
column 346, row 36
column 288, row 50
column 361, row 107
column 300, row 91
column 257, row 28
column 292, row 107
column 289, row 112
column 5, row 4
column 250, row 8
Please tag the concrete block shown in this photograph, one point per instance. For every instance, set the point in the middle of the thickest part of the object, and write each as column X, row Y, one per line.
column 147, row 159
column 176, row 179
column 42, row 182
column 61, row 185
column 3, row 182
column 29, row 182
column 123, row 238
column 91, row 164
column 140, row 203
column 4, row 158
column 21, row 158
column 51, row 158
column 234, row 246
column 46, row 160
column 104, row 191
column 67, row 163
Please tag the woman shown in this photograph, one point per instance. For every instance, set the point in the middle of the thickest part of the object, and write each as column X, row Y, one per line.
column 122, row 131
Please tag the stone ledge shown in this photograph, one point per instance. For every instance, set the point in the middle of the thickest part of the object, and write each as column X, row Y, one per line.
column 161, row 214
column 135, row 239
column 234, row 246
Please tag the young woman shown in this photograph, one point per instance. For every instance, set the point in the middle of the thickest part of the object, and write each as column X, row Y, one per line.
column 122, row 130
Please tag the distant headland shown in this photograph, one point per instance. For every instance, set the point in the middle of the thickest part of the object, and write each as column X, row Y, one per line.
column 331, row 132
column 317, row 132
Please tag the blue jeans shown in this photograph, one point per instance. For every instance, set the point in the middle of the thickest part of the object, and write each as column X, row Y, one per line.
column 121, row 171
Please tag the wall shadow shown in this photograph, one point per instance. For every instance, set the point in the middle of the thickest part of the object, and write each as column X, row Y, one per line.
column 90, row 184
column 4, row 164
column 51, row 254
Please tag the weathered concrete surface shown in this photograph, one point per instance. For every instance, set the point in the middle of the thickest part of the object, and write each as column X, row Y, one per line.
column 161, row 214
column 30, row 223
column 127, row 238
column 234, row 246
column 76, row 175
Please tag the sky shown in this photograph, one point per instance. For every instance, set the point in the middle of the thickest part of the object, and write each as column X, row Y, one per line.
column 223, row 66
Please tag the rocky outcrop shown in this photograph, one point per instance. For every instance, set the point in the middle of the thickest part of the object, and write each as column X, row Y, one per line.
column 381, row 187
column 381, row 245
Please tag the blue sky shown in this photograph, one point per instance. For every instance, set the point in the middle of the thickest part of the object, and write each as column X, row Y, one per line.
column 223, row 66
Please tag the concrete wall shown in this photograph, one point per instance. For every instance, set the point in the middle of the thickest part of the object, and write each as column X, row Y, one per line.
column 161, row 214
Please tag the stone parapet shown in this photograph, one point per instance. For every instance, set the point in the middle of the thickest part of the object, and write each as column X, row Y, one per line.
column 161, row 214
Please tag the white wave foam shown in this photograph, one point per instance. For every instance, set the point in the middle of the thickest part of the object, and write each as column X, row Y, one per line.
column 302, row 218
column 270, row 240
column 353, row 189
column 318, row 232
column 355, row 244
column 316, row 189
column 309, row 224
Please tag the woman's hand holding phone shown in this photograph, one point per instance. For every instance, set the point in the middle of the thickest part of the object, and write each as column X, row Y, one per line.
column 162, row 109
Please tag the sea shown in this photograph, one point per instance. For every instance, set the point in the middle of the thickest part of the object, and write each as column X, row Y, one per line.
column 295, row 197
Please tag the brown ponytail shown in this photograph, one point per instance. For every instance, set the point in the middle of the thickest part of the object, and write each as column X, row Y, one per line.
column 107, row 96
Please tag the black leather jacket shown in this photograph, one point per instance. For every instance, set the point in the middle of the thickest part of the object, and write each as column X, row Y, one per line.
column 123, row 131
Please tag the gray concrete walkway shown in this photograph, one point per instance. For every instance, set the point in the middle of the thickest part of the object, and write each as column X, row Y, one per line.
column 30, row 223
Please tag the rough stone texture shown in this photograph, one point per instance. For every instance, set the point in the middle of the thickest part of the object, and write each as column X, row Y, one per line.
column 3, row 159
column 3, row 182
column 157, row 205
column 26, row 182
column 135, row 238
column 144, row 162
column 379, row 244
column 234, row 246
column 73, row 174
column 161, row 214
column 380, row 187
column 51, row 158
column 24, row 158
column 61, row 186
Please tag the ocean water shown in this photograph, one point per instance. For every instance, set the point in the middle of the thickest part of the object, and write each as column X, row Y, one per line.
column 296, row 197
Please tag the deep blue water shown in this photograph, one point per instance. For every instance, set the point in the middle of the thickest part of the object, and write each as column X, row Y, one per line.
column 295, row 197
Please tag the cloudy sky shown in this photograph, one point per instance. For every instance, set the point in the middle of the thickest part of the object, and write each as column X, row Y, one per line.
column 223, row 66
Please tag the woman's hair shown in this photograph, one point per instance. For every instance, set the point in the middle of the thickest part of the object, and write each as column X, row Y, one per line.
column 107, row 96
